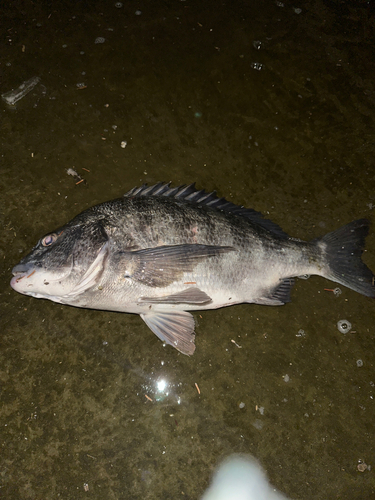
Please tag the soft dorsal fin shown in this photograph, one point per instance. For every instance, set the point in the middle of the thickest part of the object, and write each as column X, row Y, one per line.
column 190, row 194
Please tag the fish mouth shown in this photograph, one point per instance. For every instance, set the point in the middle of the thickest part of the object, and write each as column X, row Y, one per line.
column 20, row 271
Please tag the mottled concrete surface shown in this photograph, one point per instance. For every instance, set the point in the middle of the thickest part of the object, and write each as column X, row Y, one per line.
column 80, row 413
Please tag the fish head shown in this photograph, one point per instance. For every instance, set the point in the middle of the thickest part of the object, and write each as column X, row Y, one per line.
column 64, row 263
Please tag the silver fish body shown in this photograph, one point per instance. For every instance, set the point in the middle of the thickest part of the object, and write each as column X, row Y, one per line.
column 160, row 252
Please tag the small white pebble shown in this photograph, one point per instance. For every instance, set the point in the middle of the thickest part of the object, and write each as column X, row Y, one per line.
column 256, row 65
column 72, row 172
column 123, row 144
column 100, row 39
column 359, row 363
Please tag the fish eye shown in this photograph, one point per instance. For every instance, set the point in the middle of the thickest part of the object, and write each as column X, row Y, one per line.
column 49, row 239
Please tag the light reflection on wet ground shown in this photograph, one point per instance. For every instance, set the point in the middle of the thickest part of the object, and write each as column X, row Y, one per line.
column 273, row 108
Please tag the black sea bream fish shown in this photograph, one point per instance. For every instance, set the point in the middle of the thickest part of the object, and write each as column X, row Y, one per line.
column 160, row 252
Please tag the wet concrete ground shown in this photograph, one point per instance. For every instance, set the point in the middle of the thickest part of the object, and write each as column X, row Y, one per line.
column 271, row 104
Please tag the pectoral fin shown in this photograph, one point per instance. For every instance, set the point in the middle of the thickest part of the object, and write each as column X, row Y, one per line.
column 161, row 266
column 174, row 328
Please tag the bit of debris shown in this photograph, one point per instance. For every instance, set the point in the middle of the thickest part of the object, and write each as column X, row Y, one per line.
column 196, row 386
column 260, row 409
column 362, row 467
column 344, row 326
column 73, row 173
column 235, row 343
column 336, row 291
column 147, row 397
column 14, row 96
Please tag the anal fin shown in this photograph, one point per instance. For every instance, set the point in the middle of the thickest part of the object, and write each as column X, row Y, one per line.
column 279, row 295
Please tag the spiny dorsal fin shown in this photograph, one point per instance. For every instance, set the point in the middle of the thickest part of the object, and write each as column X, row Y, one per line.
column 189, row 193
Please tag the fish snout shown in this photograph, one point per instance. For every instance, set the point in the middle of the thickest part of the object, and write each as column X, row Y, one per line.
column 20, row 271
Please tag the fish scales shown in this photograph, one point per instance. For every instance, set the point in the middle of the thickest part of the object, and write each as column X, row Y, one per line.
column 156, row 221
column 161, row 252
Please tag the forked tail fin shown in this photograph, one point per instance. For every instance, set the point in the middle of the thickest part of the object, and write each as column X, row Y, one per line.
column 343, row 249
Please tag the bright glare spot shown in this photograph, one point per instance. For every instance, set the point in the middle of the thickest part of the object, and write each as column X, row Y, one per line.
column 161, row 385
